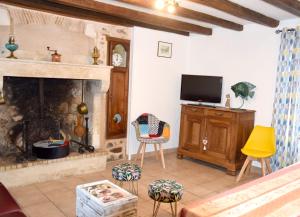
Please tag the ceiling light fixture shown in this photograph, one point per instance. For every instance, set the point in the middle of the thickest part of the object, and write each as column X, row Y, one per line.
column 170, row 5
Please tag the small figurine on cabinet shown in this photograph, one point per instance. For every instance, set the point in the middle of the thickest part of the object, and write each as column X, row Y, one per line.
column 227, row 103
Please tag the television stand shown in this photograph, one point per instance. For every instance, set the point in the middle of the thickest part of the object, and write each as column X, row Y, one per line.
column 215, row 135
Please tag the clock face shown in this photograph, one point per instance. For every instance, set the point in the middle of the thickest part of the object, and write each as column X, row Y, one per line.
column 117, row 59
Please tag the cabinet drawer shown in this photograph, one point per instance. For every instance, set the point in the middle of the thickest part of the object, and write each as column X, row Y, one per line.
column 220, row 114
column 193, row 110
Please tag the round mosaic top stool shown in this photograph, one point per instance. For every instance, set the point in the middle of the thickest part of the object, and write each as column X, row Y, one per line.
column 165, row 191
column 127, row 172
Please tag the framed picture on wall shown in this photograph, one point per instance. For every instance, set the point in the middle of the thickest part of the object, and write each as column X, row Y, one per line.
column 164, row 49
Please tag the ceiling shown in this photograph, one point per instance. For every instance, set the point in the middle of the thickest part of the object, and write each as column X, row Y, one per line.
column 192, row 16
column 256, row 5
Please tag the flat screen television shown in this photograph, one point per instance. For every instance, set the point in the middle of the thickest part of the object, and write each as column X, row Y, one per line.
column 201, row 88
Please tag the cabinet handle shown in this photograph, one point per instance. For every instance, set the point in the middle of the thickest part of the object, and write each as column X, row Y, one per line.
column 204, row 141
column 219, row 113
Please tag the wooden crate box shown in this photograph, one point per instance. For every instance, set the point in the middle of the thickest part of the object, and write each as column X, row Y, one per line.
column 103, row 198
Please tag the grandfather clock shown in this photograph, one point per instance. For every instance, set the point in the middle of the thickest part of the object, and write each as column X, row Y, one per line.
column 117, row 97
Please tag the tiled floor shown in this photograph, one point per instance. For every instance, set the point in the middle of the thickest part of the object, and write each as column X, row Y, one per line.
column 57, row 198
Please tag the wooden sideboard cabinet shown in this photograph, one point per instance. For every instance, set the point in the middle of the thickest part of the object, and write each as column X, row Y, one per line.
column 215, row 135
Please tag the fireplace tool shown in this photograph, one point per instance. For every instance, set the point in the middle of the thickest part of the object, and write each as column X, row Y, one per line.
column 26, row 150
column 79, row 130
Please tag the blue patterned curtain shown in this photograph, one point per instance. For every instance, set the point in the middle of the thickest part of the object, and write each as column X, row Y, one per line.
column 286, row 114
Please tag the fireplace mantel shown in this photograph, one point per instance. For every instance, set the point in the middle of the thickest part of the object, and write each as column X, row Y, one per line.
column 45, row 69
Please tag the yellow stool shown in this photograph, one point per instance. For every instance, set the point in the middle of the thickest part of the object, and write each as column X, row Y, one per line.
column 259, row 146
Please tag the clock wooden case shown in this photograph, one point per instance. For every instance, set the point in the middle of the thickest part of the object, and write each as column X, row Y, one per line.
column 117, row 97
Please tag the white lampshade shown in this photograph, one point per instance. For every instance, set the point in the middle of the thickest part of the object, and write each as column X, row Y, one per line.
column 159, row 4
column 171, row 8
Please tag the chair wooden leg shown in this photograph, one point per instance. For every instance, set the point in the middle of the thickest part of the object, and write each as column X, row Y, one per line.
column 267, row 160
column 138, row 152
column 263, row 164
column 156, row 151
column 243, row 169
column 248, row 169
column 143, row 153
column 162, row 156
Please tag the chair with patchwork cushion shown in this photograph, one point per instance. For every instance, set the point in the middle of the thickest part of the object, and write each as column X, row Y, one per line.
column 150, row 130
column 165, row 191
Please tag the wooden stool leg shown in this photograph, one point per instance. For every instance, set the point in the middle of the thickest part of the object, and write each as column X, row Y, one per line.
column 174, row 211
column 133, row 187
column 156, row 151
column 138, row 152
column 162, row 156
column 155, row 209
column 132, row 190
column 243, row 169
column 263, row 164
column 268, row 165
column 143, row 153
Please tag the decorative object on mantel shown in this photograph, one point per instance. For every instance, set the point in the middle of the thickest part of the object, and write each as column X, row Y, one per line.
column 95, row 55
column 11, row 46
column 164, row 49
column 227, row 103
column 244, row 90
column 56, row 57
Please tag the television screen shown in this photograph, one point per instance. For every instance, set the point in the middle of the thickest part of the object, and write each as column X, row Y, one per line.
column 201, row 88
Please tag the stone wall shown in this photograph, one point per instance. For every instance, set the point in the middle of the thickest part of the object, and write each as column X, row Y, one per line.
column 74, row 39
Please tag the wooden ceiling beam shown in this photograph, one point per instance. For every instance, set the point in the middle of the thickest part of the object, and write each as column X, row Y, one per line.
column 64, row 10
column 191, row 14
column 239, row 11
column 41, row 5
column 133, row 15
column 291, row 6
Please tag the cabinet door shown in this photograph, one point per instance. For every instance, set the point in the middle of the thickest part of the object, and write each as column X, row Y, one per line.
column 218, row 131
column 192, row 132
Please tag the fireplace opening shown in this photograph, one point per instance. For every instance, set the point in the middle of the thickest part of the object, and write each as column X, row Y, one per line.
column 39, row 117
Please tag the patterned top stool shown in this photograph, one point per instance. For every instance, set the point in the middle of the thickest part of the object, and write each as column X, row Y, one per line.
column 127, row 172
column 165, row 191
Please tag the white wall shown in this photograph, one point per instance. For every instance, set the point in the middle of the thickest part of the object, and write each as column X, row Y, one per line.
column 4, row 17
column 155, row 81
column 250, row 55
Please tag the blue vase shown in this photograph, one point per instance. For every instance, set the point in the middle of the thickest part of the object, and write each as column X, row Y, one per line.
column 12, row 47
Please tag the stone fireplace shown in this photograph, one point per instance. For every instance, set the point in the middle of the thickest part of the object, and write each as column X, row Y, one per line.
column 20, row 86
column 62, row 90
